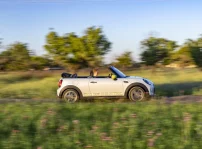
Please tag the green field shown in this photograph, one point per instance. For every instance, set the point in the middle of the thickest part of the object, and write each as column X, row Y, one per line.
column 100, row 125
column 40, row 122
column 43, row 85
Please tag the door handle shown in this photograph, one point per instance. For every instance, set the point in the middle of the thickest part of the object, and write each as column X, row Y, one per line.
column 93, row 82
column 125, row 81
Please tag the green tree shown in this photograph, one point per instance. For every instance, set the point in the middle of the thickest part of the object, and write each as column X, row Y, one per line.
column 15, row 57
column 196, row 50
column 183, row 56
column 125, row 59
column 157, row 50
column 4, row 60
column 39, row 62
column 73, row 52
column 197, row 56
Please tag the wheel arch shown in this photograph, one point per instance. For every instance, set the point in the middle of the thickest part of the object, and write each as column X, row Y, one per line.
column 71, row 87
column 133, row 85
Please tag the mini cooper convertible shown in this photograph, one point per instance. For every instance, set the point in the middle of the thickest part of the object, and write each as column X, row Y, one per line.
column 73, row 88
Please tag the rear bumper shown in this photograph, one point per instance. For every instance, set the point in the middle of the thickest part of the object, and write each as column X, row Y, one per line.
column 59, row 95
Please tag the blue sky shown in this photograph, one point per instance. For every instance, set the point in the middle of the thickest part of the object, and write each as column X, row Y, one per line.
column 125, row 22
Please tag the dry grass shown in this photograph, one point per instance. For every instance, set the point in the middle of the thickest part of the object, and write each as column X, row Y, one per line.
column 43, row 84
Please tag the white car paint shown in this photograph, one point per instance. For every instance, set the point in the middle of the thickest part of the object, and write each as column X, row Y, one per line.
column 91, row 87
column 106, row 87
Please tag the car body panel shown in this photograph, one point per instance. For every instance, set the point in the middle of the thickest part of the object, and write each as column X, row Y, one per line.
column 81, row 83
column 105, row 86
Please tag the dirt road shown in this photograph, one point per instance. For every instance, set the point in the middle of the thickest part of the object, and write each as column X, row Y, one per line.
column 168, row 100
column 183, row 99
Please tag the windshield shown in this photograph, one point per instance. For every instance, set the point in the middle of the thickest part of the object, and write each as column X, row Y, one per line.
column 117, row 72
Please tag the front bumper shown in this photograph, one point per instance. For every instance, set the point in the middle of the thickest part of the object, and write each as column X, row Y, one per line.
column 152, row 90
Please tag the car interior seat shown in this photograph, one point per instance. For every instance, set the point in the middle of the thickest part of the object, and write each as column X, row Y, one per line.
column 74, row 76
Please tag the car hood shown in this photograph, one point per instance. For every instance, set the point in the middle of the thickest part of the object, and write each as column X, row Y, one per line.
column 135, row 77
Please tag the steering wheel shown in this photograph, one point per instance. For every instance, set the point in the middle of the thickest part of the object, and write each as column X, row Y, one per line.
column 110, row 75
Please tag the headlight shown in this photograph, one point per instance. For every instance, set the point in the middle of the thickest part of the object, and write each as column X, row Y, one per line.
column 146, row 81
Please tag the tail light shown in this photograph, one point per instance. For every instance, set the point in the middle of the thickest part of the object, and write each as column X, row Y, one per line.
column 60, row 83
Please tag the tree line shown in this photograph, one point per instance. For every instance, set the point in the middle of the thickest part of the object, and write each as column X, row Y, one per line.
column 73, row 52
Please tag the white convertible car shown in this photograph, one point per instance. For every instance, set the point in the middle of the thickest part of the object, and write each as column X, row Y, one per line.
column 73, row 88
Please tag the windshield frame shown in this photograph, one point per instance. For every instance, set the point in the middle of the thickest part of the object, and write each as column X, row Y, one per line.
column 117, row 72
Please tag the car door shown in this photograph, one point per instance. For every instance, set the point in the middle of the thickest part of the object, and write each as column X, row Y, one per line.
column 106, row 87
column 82, row 84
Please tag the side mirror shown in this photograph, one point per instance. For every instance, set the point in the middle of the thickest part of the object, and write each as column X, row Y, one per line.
column 114, row 77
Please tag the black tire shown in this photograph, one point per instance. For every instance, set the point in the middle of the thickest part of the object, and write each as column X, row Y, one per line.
column 70, row 96
column 136, row 93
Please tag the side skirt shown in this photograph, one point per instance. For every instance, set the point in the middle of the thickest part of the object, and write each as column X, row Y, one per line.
column 103, row 97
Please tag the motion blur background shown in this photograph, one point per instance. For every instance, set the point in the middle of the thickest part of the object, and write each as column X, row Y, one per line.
column 157, row 39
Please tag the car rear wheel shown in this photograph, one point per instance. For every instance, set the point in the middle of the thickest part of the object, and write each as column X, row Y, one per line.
column 136, row 94
column 70, row 96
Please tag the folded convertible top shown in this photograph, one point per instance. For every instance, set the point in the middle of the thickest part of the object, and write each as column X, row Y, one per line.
column 66, row 75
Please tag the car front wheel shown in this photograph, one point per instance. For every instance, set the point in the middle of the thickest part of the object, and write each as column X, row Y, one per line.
column 70, row 96
column 136, row 94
